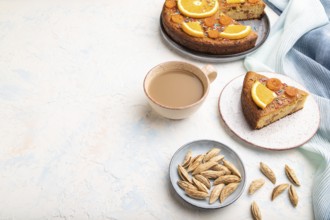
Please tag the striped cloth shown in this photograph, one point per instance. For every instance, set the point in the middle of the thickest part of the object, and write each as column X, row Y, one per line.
column 299, row 46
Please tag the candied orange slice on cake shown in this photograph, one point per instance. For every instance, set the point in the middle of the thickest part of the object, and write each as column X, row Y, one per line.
column 291, row 91
column 198, row 8
column 261, row 95
column 274, row 84
column 177, row 18
column 234, row 32
column 170, row 3
column 225, row 20
column 210, row 21
column 213, row 33
column 193, row 28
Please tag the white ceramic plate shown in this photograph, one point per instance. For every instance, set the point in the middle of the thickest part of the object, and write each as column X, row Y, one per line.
column 289, row 132
column 201, row 147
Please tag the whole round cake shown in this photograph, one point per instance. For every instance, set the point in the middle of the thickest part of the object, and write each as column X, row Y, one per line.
column 211, row 26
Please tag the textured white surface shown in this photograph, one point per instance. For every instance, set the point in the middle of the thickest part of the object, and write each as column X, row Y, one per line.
column 78, row 139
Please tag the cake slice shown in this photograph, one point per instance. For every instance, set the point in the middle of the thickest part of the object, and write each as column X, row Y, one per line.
column 243, row 9
column 265, row 100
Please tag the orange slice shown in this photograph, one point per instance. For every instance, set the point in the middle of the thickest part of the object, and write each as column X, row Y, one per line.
column 235, row 32
column 198, row 8
column 193, row 28
column 261, row 95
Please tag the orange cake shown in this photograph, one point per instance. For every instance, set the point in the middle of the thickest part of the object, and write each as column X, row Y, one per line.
column 265, row 100
column 210, row 26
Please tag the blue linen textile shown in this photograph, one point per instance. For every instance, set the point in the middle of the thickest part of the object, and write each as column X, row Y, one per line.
column 299, row 46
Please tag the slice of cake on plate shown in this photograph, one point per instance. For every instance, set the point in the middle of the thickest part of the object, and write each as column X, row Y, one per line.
column 265, row 100
column 210, row 26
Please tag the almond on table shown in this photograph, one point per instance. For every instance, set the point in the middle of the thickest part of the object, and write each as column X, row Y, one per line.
column 279, row 189
column 291, row 175
column 269, row 173
column 293, row 196
column 255, row 185
column 255, row 211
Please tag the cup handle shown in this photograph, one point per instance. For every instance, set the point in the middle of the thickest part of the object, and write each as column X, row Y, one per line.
column 210, row 72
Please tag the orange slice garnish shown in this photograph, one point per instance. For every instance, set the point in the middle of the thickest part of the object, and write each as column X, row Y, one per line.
column 274, row 84
column 193, row 28
column 261, row 95
column 235, row 32
column 198, row 8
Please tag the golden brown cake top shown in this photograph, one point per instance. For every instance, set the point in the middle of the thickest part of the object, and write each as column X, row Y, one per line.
column 198, row 18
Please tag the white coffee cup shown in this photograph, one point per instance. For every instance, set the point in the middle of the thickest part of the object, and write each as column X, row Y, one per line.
column 206, row 75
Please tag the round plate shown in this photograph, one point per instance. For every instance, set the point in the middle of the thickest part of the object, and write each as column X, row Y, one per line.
column 261, row 26
column 289, row 132
column 201, row 147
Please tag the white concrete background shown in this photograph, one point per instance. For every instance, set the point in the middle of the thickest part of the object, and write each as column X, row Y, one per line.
column 77, row 137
